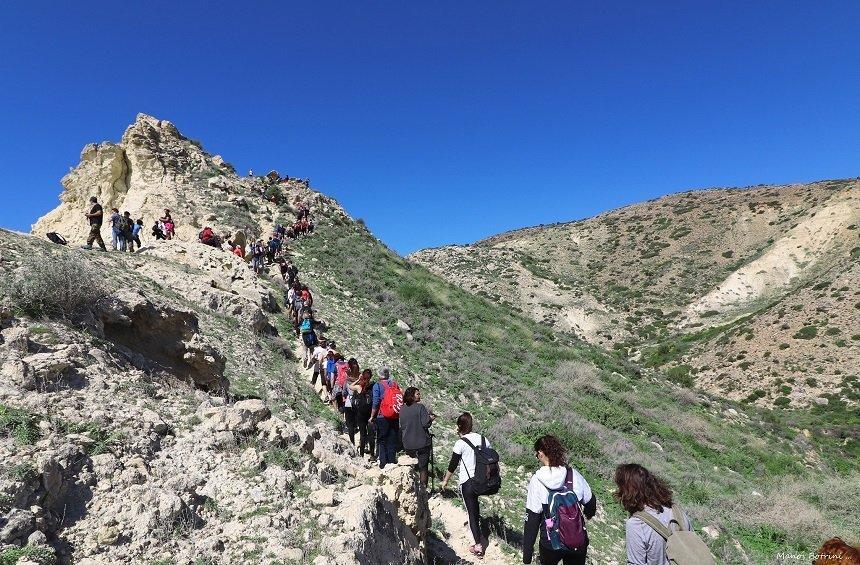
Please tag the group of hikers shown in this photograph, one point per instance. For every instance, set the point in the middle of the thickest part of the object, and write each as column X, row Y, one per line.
column 388, row 419
column 125, row 231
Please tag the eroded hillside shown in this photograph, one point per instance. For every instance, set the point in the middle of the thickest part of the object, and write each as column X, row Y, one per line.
column 165, row 419
column 746, row 292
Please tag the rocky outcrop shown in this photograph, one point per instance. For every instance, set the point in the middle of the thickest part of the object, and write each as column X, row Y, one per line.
column 153, row 167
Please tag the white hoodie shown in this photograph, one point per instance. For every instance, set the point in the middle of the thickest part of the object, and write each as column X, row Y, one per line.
column 553, row 478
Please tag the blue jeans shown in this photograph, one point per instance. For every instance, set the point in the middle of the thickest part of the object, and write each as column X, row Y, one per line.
column 386, row 440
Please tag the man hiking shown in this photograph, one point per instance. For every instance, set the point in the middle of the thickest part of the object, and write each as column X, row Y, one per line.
column 95, row 216
column 387, row 400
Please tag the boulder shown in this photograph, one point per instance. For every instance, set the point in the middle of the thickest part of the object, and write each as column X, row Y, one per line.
column 17, row 526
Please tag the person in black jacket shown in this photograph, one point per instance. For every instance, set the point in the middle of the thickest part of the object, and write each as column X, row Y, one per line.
column 552, row 475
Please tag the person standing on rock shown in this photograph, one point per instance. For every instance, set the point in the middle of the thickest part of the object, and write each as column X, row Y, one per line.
column 116, row 224
column 95, row 217
column 387, row 401
column 135, row 234
column 415, row 422
column 463, row 461
column 554, row 475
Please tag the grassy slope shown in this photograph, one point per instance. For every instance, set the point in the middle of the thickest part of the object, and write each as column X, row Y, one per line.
column 520, row 379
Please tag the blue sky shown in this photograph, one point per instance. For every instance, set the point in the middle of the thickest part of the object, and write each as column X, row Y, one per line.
column 442, row 122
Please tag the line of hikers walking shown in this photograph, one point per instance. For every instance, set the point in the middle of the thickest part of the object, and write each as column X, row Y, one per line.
column 559, row 500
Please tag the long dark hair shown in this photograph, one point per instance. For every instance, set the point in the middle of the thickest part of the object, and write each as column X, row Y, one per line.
column 553, row 449
column 638, row 488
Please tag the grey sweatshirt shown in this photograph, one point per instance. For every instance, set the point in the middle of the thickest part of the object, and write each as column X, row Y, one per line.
column 644, row 545
column 414, row 421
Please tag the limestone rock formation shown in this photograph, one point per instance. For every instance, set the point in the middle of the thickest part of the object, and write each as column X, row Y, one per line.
column 153, row 167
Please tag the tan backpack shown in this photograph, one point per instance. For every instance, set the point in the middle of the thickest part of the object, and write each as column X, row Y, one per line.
column 683, row 547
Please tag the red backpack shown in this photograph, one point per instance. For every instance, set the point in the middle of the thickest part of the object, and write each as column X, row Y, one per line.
column 342, row 368
column 392, row 400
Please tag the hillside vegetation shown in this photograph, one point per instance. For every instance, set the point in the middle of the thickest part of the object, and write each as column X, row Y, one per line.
column 167, row 420
column 749, row 293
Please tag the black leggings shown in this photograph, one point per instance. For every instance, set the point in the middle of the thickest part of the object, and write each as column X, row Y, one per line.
column 473, row 508
column 365, row 439
column 552, row 557
column 350, row 417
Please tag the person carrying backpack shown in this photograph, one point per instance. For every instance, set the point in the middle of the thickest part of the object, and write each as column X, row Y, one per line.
column 415, row 422
column 387, row 400
column 362, row 403
column 353, row 374
column 559, row 497
column 477, row 466
column 657, row 531
column 309, row 338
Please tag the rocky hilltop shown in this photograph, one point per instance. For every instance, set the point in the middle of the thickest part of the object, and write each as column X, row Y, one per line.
column 746, row 292
column 153, row 410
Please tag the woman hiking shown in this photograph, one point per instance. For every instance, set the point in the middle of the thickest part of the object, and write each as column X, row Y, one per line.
column 640, row 491
column 353, row 374
column 415, row 422
column 362, row 403
column 463, row 461
column 554, row 474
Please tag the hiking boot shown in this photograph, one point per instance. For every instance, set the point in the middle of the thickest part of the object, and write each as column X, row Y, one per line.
column 86, row 246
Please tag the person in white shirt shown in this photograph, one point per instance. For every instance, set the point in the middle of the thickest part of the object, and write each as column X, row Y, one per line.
column 318, row 360
column 553, row 474
column 463, row 461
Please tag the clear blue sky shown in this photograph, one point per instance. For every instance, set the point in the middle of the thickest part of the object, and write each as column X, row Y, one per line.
column 442, row 122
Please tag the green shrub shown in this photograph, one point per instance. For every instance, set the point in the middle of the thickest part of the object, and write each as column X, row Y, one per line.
column 61, row 284
column 19, row 424
column 806, row 332
column 782, row 401
column 728, row 254
column 35, row 553
column 784, row 346
column 811, row 381
column 680, row 374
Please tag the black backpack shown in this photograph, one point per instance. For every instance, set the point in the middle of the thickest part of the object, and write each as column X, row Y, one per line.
column 361, row 401
column 56, row 238
column 488, row 478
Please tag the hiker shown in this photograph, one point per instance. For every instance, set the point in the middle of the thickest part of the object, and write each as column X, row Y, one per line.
column 258, row 253
column 307, row 298
column 341, row 371
column 95, row 217
column 127, row 229
column 208, row 237
column 648, row 500
column 555, row 476
column 135, row 234
column 463, row 461
column 289, row 272
column 362, row 404
column 387, row 400
column 330, row 371
column 116, row 223
column 237, row 250
column 167, row 224
column 415, row 422
column 353, row 374
column 318, row 356
column 158, row 230
column 309, row 337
